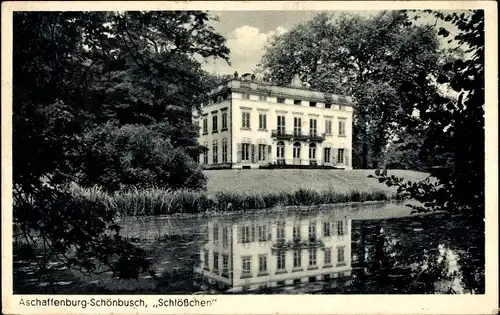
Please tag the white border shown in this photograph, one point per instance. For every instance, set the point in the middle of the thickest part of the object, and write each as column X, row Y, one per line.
column 265, row 304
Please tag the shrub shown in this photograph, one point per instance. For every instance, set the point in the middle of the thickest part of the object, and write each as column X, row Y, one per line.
column 120, row 157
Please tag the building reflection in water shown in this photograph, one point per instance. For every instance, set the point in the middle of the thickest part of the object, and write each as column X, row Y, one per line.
column 277, row 251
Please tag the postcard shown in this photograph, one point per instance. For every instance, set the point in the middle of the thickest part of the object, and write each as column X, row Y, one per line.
column 233, row 157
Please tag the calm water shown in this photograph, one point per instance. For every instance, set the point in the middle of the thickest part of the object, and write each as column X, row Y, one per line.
column 362, row 249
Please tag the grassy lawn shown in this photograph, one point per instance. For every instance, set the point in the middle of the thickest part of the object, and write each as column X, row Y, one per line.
column 288, row 180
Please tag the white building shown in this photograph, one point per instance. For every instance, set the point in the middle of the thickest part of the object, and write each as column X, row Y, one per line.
column 269, row 252
column 249, row 124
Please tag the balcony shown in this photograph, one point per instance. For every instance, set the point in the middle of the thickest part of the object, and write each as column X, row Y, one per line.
column 297, row 135
column 281, row 134
column 316, row 137
column 297, row 244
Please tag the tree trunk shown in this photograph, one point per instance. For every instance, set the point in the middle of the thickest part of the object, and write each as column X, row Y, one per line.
column 364, row 158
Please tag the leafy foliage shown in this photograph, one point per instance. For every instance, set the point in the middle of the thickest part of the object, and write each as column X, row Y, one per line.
column 102, row 98
column 117, row 157
column 384, row 62
column 455, row 127
column 406, row 152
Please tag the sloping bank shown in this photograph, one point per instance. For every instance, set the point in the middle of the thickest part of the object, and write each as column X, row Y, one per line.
column 139, row 202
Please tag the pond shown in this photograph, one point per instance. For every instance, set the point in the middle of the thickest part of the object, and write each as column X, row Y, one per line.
column 356, row 249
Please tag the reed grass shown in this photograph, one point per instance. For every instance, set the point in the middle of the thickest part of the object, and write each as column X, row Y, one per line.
column 159, row 201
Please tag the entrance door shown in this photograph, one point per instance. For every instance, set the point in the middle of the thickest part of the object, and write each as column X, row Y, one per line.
column 296, row 153
column 312, row 154
column 280, row 152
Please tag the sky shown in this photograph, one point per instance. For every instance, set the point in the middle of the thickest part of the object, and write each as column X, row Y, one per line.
column 247, row 32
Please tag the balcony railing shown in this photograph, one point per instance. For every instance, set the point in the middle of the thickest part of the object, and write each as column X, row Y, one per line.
column 281, row 134
column 297, row 244
column 297, row 135
column 316, row 136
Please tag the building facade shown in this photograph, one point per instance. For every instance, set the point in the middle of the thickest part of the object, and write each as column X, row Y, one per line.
column 290, row 250
column 249, row 124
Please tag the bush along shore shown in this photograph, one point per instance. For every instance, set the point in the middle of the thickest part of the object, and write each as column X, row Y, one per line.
column 140, row 202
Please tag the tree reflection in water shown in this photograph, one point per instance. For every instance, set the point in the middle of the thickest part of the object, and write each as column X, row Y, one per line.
column 435, row 254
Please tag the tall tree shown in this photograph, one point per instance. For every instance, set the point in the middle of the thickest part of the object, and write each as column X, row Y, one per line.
column 374, row 59
column 102, row 98
column 455, row 127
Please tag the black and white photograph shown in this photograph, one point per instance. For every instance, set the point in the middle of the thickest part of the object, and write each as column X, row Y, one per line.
column 247, row 150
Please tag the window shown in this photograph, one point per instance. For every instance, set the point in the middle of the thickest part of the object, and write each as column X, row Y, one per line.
column 205, row 125
column 246, row 262
column 312, row 231
column 340, row 227
column 206, row 260
column 280, row 150
column 312, row 104
column 262, row 98
column 341, row 107
column 245, row 120
column 281, row 124
column 340, row 254
column 281, row 100
column 326, row 229
column 342, row 128
column 328, row 256
column 262, row 152
column 297, row 258
column 280, row 260
column 328, row 152
column 205, row 153
column 245, row 96
column 312, row 257
column 214, row 123
column 245, row 234
column 262, row 233
column 262, row 263
column 262, row 121
column 216, row 233
column 312, row 151
column 340, row 156
column 296, row 150
column 297, row 126
column 328, row 127
column 296, row 232
column 225, row 237
column 280, row 232
column 297, row 102
column 224, row 120
column 313, row 124
column 328, row 105
column 225, row 263
column 224, row 150
column 216, row 260
column 215, row 152
column 245, row 152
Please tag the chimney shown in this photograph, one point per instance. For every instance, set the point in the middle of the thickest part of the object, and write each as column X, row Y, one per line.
column 236, row 74
column 253, row 77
